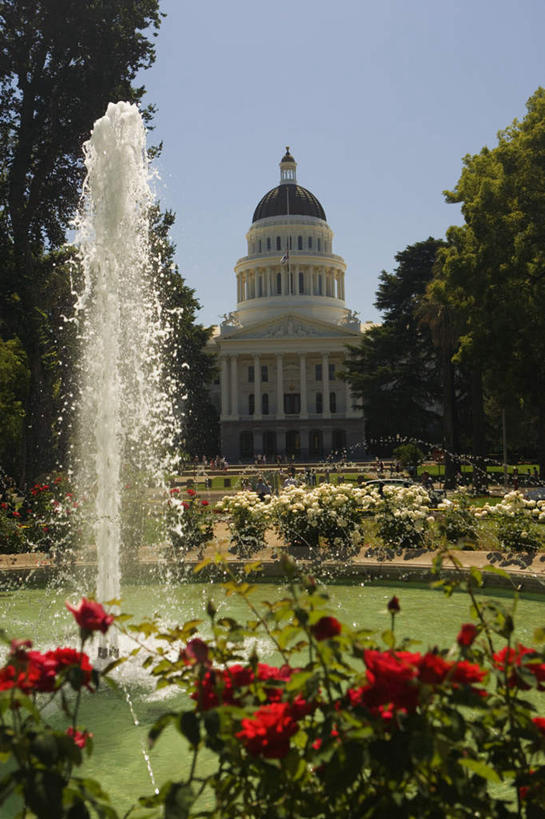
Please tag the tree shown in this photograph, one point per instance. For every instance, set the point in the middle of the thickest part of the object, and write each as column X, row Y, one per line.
column 497, row 261
column 395, row 371
column 188, row 362
column 61, row 62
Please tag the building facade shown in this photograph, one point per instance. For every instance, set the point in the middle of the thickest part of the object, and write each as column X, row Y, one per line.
column 280, row 352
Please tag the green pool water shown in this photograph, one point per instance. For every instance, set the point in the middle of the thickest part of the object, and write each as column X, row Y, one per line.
column 118, row 760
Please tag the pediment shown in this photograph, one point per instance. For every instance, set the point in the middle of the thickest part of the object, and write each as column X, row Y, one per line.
column 290, row 326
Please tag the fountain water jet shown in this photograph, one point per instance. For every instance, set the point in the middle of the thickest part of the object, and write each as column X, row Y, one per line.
column 125, row 415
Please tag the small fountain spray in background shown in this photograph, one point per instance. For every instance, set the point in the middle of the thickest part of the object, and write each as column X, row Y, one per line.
column 126, row 421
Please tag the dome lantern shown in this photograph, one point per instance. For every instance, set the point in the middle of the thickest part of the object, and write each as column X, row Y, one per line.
column 287, row 168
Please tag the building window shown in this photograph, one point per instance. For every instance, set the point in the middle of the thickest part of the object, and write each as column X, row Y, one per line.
column 260, row 286
column 301, row 282
column 299, row 243
column 265, row 403
column 331, row 370
column 251, row 404
column 260, row 245
column 319, row 403
column 315, row 442
column 290, row 242
column 310, row 242
column 264, row 372
column 292, row 403
column 338, row 439
column 279, row 283
column 317, row 372
column 320, row 285
column 278, row 243
column 319, row 244
column 291, row 283
column 332, row 402
column 251, row 374
column 268, row 242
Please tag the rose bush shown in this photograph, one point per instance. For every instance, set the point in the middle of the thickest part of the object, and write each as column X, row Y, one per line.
column 515, row 518
column 402, row 516
column 327, row 518
column 248, row 518
column 190, row 522
column 41, row 762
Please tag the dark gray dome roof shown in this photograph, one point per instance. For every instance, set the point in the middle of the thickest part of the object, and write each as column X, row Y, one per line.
column 289, row 199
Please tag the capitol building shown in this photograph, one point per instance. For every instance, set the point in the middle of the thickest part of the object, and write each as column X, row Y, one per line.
column 281, row 350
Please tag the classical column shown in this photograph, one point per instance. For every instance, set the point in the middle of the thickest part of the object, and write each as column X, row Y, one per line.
column 224, row 379
column 257, row 388
column 325, row 385
column 234, row 388
column 303, row 385
column 279, row 386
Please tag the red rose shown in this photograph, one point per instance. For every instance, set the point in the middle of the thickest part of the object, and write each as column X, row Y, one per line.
column 39, row 673
column 7, row 678
column 79, row 737
column 191, row 492
column 69, row 658
column 204, row 503
column 196, row 651
column 326, row 628
column 220, row 687
column 90, row 616
column 467, row 635
column 433, row 668
column 392, row 681
column 268, row 732
column 393, row 605
column 512, row 658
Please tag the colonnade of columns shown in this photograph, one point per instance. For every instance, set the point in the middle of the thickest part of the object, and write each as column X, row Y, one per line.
column 304, row 280
column 231, row 392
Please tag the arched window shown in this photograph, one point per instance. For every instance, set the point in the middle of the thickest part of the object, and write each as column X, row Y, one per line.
column 251, row 404
column 332, row 402
column 299, row 243
column 310, row 242
column 319, row 403
column 268, row 242
column 269, row 442
column 265, row 403
column 278, row 243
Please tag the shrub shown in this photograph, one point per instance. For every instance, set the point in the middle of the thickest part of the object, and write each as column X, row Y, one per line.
column 514, row 518
column 190, row 523
column 247, row 518
column 402, row 516
column 328, row 518
column 456, row 520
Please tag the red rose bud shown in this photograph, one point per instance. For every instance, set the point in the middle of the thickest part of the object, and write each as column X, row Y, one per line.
column 90, row 616
column 196, row 651
column 467, row 635
column 393, row 605
column 326, row 628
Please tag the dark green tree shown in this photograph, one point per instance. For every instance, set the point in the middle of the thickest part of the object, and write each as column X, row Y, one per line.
column 61, row 62
column 496, row 261
column 395, row 371
column 192, row 367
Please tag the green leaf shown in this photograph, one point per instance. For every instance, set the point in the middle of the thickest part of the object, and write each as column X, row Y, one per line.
column 159, row 726
column 476, row 575
column 189, row 725
column 481, row 769
column 178, row 801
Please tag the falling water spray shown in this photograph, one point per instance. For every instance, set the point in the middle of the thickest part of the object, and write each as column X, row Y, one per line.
column 126, row 421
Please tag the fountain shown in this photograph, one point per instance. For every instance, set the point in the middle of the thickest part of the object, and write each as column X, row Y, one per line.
column 126, row 421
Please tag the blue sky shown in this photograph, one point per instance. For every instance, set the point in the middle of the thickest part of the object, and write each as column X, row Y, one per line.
column 378, row 101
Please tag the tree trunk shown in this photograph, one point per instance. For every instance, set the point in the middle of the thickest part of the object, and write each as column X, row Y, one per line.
column 449, row 421
column 480, row 480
